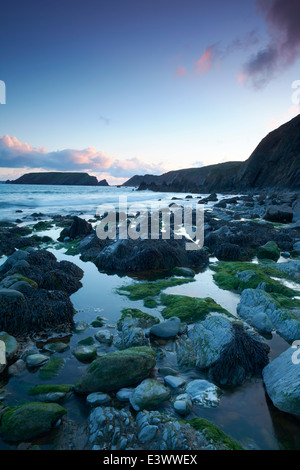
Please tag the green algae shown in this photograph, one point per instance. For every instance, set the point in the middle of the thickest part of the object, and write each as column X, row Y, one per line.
column 268, row 251
column 189, row 309
column 214, row 434
column 24, row 422
column 42, row 389
column 143, row 290
column 144, row 320
column 237, row 276
column 52, row 368
column 150, row 303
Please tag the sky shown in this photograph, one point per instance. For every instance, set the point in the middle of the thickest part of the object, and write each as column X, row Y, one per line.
column 123, row 87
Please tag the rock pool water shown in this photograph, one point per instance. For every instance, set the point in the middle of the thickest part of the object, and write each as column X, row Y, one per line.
column 245, row 413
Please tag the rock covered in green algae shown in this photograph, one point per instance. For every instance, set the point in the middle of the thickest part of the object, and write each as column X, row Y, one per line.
column 85, row 353
column 50, row 393
column 30, row 420
column 117, row 370
column 214, row 435
column 142, row 290
column 282, row 380
column 189, row 309
column 237, row 276
column 149, row 394
column 141, row 319
column 269, row 251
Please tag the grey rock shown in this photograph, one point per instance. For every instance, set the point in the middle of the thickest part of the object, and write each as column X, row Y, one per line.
column 174, row 381
column 206, row 340
column 36, row 360
column 110, row 428
column 167, row 329
column 149, row 394
column 259, row 309
column 204, row 393
column 104, row 337
column 129, row 334
column 17, row 368
column 282, row 381
column 98, row 399
column 124, row 394
column 183, row 404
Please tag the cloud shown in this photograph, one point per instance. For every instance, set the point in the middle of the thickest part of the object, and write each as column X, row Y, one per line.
column 283, row 48
column 180, row 72
column 217, row 53
column 205, row 63
column 15, row 155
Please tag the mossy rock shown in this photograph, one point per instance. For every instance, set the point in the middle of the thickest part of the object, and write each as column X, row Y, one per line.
column 50, row 393
column 57, row 347
column 143, row 290
column 49, row 388
column 85, row 353
column 30, row 420
column 117, row 370
column 142, row 319
column 268, row 251
column 237, row 276
column 87, row 341
column 189, row 309
column 52, row 368
column 42, row 225
column 213, row 433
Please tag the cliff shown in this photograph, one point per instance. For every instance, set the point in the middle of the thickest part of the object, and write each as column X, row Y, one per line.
column 274, row 164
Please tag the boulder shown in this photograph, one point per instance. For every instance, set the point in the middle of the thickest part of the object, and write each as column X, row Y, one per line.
column 260, row 310
column 104, row 337
column 231, row 351
column 183, row 404
column 129, row 334
column 281, row 214
column 144, row 255
column 85, row 353
column 117, row 370
column 282, row 380
column 269, row 251
column 204, row 393
column 30, row 420
column 149, row 394
column 98, row 399
column 78, row 229
column 167, row 329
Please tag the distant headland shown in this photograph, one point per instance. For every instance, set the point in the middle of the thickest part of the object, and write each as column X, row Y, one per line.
column 59, row 178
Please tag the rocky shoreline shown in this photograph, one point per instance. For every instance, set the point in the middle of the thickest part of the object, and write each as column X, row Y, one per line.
column 132, row 397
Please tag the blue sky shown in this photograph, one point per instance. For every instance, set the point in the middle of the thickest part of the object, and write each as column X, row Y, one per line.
column 124, row 87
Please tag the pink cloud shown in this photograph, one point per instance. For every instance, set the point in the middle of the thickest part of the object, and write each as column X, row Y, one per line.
column 180, row 72
column 15, row 154
column 205, row 63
